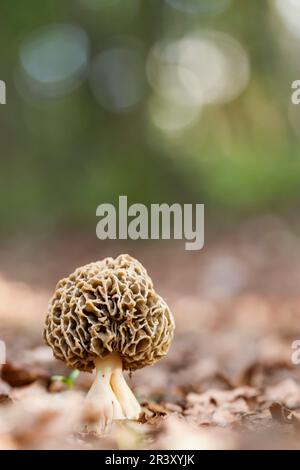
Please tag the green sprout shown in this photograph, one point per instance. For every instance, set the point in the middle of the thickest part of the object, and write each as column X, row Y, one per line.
column 68, row 381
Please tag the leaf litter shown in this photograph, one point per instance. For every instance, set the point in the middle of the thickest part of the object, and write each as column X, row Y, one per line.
column 228, row 381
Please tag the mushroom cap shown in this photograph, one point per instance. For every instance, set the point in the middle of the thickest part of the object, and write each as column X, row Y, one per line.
column 108, row 306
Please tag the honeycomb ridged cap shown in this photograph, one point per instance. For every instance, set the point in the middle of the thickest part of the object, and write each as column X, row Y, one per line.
column 108, row 306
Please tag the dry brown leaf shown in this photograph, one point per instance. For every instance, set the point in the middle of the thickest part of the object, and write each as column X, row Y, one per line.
column 19, row 375
column 283, row 415
column 286, row 392
column 173, row 408
column 157, row 408
column 219, row 397
column 37, row 417
column 4, row 393
column 177, row 434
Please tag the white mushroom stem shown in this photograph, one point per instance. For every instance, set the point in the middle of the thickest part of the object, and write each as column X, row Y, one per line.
column 110, row 396
column 129, row 404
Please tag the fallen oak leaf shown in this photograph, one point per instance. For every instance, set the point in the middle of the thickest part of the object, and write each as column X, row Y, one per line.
column 157, row 408
column 18, row 375
column 37, row 418
column 223, row 417
column 286, row 392
column 145, row 416
column 4, row 393
column 173, row 408
column 284, row 415
column 176, row 433
column 280, row 413
column 152, row 413
column 219, row 397
column 257, row 372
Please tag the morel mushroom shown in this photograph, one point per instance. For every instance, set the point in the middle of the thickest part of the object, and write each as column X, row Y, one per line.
column 107, row 316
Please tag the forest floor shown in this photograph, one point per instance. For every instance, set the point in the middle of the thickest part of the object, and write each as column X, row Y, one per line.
column 228, row 382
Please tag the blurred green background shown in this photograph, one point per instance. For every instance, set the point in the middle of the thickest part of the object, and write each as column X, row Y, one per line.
column 161, row 100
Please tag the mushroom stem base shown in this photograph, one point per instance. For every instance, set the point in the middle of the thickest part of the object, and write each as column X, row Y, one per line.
column 110, row 397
